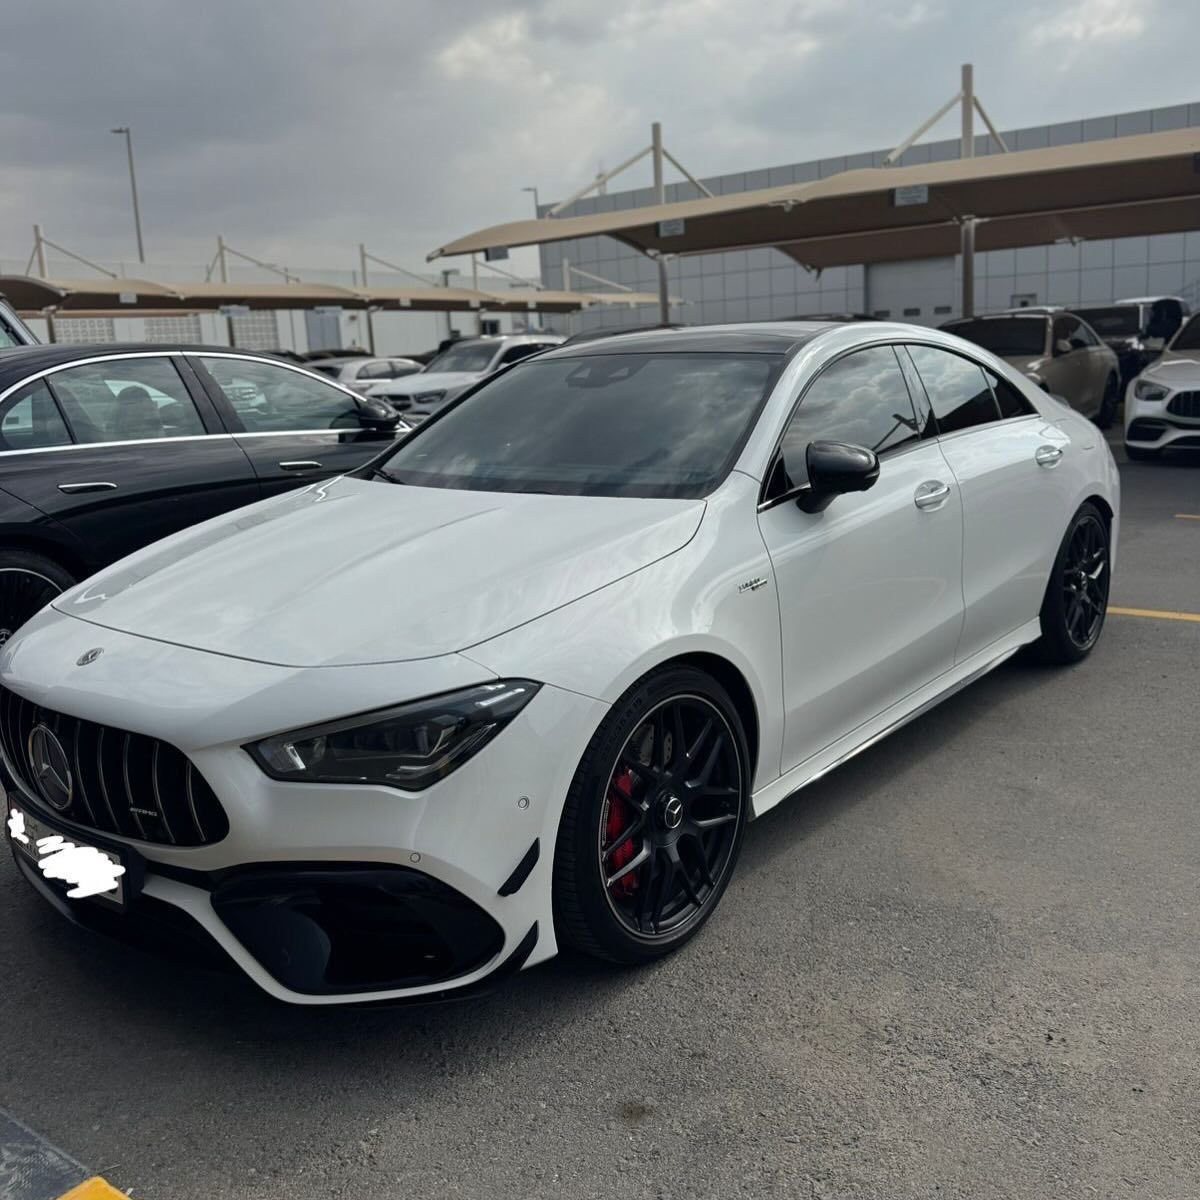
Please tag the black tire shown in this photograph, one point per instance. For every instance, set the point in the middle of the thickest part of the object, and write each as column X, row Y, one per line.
column 684, row 718
column 1109, row 403
column 28, row 582
column 1140, row 453
column 1076, row 599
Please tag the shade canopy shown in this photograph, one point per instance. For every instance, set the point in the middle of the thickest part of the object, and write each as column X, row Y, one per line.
column 29, row 294
column 1118, row 187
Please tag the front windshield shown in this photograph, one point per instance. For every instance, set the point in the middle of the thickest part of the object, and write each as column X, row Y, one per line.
column 1188, row 337
column 1121, row 320
column 465, row 356
column 650, row 425
column 1006, row 337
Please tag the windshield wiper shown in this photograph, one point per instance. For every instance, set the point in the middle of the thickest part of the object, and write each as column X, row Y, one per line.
column 382, row 473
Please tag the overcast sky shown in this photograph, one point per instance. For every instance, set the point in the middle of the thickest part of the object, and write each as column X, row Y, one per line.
column 299, row 128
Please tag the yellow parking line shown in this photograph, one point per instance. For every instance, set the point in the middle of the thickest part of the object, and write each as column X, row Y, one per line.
column 93, row 1189
column 1187, row 516
column 1156, row 614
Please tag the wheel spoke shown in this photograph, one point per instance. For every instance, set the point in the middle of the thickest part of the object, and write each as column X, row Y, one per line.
column 706, row 823
column 624, row 836
column 632, row 865
column 648, row 775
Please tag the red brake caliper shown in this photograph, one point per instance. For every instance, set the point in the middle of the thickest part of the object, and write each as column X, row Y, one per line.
column 620, row 816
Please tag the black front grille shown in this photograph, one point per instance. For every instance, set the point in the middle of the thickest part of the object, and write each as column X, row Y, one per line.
column 1185, row 404
column 122, row 783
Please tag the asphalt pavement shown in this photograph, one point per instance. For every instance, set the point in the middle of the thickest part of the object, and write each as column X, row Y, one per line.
column 964, row 965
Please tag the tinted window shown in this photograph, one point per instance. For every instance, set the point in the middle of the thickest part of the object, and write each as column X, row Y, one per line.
column 31, row 420
column 861, row 399
column 1188, row 338
column 1006, row 337
column 380, row 369
column 1117, row 320
column 597, row 425
column 516, row 353
column 271, row 399
column 126, row 400
column 1012, row 403
column 956, row 387
column 465, row 356
column 1067, row 329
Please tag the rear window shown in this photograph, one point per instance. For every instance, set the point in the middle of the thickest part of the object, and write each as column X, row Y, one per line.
column 1005, row 337
column 650, row 425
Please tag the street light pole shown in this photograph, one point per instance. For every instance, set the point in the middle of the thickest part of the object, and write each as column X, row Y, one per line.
column 537, row 208
column 137, row 216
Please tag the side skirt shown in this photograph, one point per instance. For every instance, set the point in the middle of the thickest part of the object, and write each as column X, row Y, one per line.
column 891, row 719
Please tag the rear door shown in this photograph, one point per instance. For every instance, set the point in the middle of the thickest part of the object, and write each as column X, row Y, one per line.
column 1004, row 457
column 143, row 456
column 870, row 590
column 294, row 427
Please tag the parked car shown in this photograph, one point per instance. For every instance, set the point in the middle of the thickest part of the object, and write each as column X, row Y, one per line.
column 361, row 373
column 1054, row 348
column 1162, row 405
column 664, row 580
column 1135, row 330
column 464, row 362
column 13, row 331
column 106, row 448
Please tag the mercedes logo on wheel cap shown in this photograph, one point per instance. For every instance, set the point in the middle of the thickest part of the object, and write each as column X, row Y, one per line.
column 673, row 812
column 51, row 767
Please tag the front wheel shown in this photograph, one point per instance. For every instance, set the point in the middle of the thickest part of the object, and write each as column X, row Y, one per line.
column 653, row 821
column 1076, row 599
column 1108, row 405
column 28, row 582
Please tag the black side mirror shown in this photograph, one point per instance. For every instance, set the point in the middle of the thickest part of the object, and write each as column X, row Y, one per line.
column 835, row 468
column 375, row 413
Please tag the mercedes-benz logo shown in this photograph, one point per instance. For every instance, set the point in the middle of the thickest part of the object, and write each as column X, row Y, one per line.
column 51, row 767
column 673, row 812
column 89, row 656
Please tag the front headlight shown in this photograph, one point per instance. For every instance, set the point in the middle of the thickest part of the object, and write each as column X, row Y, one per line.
column 428, row 397
column 410, row 746
column 1147, row 389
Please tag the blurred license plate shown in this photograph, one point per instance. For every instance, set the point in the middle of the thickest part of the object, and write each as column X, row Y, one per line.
column 70, row 864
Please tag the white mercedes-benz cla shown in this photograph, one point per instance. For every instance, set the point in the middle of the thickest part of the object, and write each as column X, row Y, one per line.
column 652, row 585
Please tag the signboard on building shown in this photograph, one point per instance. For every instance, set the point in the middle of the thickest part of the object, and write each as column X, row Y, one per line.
column 672, row 228
column 235, row 310
column 917, row 193
column 495, row 253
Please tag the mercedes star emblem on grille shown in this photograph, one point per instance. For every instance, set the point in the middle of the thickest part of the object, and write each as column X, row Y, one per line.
column 51, row 768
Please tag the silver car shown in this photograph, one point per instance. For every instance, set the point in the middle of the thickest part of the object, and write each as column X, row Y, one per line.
column 362, row 372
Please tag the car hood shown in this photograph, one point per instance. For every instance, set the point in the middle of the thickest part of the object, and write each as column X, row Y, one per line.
column 425, row 381
column 353, row 571
column 1175, row 368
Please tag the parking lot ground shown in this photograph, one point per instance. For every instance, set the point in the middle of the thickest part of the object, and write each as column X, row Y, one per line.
column 963, row 965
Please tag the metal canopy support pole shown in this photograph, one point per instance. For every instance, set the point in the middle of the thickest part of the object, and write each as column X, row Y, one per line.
column 39, row 250
column 224, row 269
column 660, row 197
column 362, row 266
column 967, row 150
column 475, row 287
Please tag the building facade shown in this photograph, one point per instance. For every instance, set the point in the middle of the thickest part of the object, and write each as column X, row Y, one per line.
column 762, row 284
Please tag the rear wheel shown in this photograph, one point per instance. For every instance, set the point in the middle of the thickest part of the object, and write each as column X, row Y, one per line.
column 28, row 582
column 1140, row 454
column 1108, row 405
column 654, row 819
column 1076, row 599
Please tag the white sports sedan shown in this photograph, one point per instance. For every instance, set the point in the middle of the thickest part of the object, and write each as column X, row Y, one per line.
column 655, row 585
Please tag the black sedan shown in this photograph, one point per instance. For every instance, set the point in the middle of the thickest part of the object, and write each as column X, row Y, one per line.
column 104, row 449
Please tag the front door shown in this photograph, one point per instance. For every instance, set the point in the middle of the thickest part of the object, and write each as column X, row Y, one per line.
column 870, row 590
column 127, row 454
column 294, row 427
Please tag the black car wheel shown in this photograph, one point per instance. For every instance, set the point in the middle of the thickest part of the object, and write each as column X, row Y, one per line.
column 654, row 819
column 28, row 582
column 1108, row 405
column 1076, row 600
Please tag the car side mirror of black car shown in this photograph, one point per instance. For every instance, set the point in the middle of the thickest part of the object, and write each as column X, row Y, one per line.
column 375, row 413
column 835, row 468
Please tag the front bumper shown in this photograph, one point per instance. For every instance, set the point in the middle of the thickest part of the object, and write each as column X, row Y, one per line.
column 320, row 893
column 1150, row 425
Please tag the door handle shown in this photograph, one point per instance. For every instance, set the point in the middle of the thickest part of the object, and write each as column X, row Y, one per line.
column 98, row 485
column 1048, row 456
column 302, row 464
column 932, row 494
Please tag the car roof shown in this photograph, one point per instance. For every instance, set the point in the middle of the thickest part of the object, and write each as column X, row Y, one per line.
column 765, row 337
column 23, row 361
column 1008, row 314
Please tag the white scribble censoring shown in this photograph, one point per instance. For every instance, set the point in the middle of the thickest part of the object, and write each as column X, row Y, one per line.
column 90, row 871
column 16, row 827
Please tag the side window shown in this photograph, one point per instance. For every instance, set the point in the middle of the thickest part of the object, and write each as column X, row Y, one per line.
column 957, row 389
column 516, row 353
column 861, row 399
column 1012, row 403
column 1066, row 329
column 1083, row 331
column 271, row 399
column 30, row 420
column 379, row 369
column 126, row 400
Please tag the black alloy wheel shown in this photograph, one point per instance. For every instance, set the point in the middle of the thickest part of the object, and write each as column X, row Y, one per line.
column 1076, row 599
column 654, row 820
column 1108, row 405
column 28, row 582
